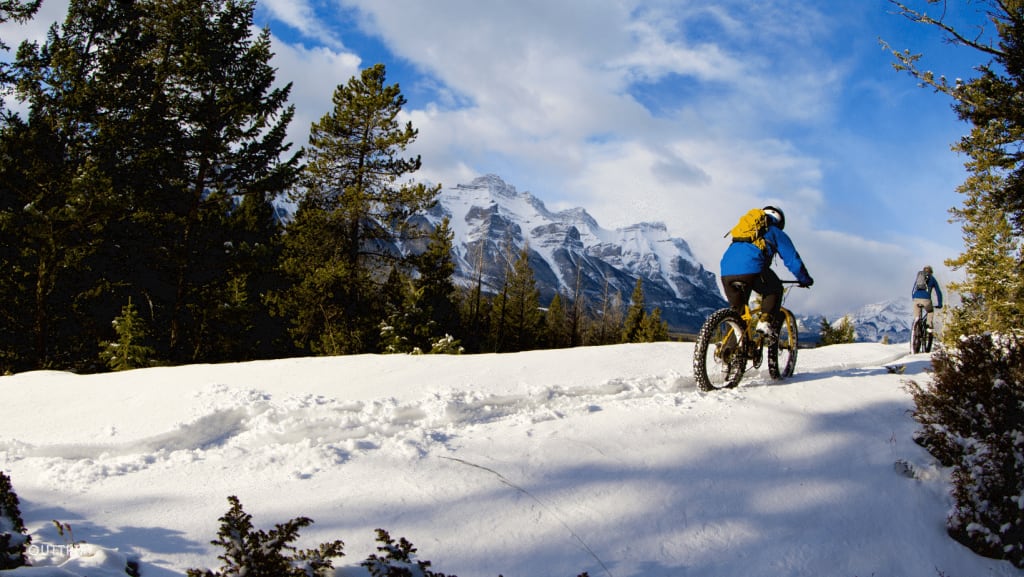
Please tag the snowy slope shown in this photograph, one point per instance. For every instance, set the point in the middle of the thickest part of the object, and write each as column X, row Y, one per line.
column 546, row 463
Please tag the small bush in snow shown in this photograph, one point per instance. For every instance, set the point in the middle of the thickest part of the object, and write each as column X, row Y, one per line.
column 255, row 553
column 972, row 417
column 13, row 539
column 397, row 559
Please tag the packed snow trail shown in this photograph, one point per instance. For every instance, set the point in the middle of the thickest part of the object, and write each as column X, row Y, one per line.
column 605, row 459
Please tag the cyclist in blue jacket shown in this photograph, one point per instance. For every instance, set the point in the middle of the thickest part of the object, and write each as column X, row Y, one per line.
column 924, row 284
column 744, row 261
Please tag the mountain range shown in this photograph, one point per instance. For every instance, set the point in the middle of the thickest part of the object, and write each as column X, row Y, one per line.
column 571, row 254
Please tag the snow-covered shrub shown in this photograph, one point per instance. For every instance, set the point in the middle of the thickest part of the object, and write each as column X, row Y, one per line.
column 255, row 553
column 972, row 417
column 13, row 539
column 397, row 559
column 446, row 345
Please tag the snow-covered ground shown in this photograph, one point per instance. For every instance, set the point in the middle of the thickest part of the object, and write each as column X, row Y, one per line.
column 549, row 463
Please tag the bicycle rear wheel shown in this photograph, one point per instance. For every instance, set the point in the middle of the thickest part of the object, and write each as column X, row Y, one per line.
column 718, row 360
column 917, row 336
column 782, row 352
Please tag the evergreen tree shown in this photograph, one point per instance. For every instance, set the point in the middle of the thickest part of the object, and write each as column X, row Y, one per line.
column 556, row 323
column 576, row 315
column 129, row 350
column 18, row 11
column 14, row 539
column 257, row 553
column 159, row 122
column 434, row 286
column 517, row 316
column 605, row 327
column 840, row 333
column 652, row 328
column 992, row 215
column 404, row 319
column 632, row 330
column 474, row 310
column 350, row 210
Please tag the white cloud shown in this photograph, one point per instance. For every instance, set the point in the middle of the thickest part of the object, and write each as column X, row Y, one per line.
column 671, row 110
column 315, row 73
column 302, row 16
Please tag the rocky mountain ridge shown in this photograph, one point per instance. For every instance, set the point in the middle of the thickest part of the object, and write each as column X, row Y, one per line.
column 571, row 254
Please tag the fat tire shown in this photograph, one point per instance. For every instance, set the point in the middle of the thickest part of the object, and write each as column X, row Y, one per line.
column 785, row 344
column 916, row 337
column 706, row 352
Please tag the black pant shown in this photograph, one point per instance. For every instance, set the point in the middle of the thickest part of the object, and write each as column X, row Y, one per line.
column 767, row 284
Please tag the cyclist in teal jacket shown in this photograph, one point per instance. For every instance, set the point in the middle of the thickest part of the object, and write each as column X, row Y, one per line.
column 743, row 261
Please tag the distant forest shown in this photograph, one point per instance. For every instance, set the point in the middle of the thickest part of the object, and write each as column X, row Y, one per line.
column 138, row 224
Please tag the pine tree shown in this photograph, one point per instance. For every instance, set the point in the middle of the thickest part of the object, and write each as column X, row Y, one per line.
column 653, row 329
column 434, row 285
column 17, row 11
column 992, row 216
column 556, row 323
column 158, row 122
column 632, row 330
column 350, row 210
column 129, row 350
column 14, row 539
column 605, row 327
column 474, row 310
column 257, row 553
column 517, row 317
column 840, row 333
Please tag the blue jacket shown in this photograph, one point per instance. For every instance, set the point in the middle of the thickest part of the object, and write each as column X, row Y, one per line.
column 745, row 258
column 927, row 294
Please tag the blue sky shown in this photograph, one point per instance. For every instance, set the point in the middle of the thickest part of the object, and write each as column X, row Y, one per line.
column 687, row 112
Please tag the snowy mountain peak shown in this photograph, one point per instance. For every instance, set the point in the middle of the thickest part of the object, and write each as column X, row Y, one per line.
column 570, row 252
column 890, row 319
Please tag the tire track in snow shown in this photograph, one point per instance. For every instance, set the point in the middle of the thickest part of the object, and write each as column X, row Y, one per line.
column 501, row 478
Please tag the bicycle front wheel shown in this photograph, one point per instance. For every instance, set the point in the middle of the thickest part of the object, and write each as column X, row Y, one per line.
column 782, row 352
column 718, row 360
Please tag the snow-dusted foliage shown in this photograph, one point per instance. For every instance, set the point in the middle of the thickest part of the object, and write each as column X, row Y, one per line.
column 13, row 540
column 973, row 420
column 255, row 553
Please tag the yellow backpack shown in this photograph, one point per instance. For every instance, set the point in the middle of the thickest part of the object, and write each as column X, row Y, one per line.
column 751, row 228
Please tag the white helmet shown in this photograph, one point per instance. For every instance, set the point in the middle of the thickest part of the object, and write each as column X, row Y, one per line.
column 777, row 214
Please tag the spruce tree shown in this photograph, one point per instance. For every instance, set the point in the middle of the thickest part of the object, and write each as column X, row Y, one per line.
column 605, row 326
column 517, row 317
column 556, row 323
column 17, row 11
column 474, row 309
column 352, row 206
column 14, row 539
column 159, row 122
column 434, row 285
column 839, row 333
column 992, row 216
column 632, row 330
column 129, row 351
column 653, row 329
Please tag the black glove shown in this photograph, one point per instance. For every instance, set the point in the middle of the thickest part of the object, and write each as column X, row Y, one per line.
column 807, row 283
column 938, row 306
